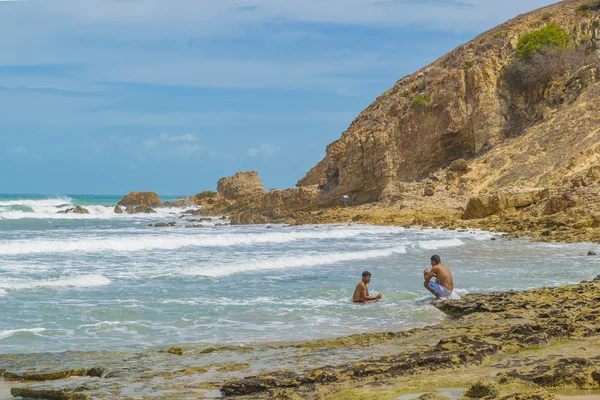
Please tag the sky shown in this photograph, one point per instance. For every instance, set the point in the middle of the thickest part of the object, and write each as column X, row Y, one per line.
column 112, row 96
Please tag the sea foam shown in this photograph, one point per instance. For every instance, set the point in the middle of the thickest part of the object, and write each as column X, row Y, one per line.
column 11, row 332
column 292, row 262
column 79, row 281
column 440, row 244
column 148, row 242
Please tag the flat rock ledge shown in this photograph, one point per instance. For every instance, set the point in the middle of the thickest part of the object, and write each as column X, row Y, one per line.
column 491, row 324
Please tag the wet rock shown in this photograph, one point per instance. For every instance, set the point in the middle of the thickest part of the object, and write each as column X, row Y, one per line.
column 142, row 199
column 234, row 367
column 74, row 210
column 432, row 396
column 49, row 394
column 481, row 389
column 591, row 253
column 195, row 226
column 175, row 350
column 160, row 225
column 179, row 203
column 597, row 278
column 118, row 210
column 54, row 375
column 139, row 210
column 571, row 372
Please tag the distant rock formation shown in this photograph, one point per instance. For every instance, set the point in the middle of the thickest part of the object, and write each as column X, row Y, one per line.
column 74, row 210
column 146, row 199
column 240, row 185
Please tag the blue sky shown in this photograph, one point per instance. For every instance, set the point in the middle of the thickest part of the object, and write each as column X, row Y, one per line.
column 111, row 96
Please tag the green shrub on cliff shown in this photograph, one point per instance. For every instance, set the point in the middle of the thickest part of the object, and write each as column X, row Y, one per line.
column 419, row 103
column 551, row 35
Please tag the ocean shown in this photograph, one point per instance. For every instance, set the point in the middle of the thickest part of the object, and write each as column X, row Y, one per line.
column 106, row 281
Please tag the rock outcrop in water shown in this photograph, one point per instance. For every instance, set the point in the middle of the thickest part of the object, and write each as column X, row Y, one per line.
column 74, row 210
column 145, row 199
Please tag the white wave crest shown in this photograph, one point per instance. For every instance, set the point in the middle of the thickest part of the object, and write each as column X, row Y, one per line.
column 440, row 244
column 80, row 281
column 2, row 292
column 163, row 242
column 9, row 333
column 292, row 262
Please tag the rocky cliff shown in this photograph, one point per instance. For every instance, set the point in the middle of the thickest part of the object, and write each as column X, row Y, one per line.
column 464, row 105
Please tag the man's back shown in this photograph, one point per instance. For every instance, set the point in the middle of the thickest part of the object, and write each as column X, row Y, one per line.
column 444, row 276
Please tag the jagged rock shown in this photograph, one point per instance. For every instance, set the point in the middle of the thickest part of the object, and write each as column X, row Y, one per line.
column 591, row 253
column 597, row 278
column 574, row 372
column 481, row 389
column 118, row 210
column 479, row 207
column 240, row 185
column 185, row 202
column 176, row 350
column 139, row 210
column 62, row 394
column 460, row 165
column 145, row 199
column 74, row 210
column 248, row 218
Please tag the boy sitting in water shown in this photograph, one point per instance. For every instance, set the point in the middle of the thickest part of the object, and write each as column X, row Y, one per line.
column 361, row 293
column 443, row 287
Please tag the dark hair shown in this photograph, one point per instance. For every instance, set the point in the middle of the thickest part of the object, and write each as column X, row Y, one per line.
column 366, row 273
column 436, row 259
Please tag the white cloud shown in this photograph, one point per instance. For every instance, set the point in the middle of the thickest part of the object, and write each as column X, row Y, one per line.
column 265, row 150
column 150, row 142
column 188, row 137
column 169, row 145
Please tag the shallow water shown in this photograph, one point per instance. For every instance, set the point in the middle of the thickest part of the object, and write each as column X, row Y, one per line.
column 108, row 281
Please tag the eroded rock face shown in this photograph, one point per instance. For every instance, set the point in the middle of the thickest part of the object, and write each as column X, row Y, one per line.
column 240, row 185
column 118, row 210
column 483, row 206
column 458, row 107
column 145, row 199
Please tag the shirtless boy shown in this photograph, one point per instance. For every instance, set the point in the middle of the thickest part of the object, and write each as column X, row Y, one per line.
column 361, row 293
column 443, row 285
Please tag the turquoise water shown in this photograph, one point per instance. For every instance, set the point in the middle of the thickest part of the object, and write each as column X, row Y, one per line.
column 108, row 281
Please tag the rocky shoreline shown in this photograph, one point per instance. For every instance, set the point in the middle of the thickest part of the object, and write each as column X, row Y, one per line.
column 513, row 345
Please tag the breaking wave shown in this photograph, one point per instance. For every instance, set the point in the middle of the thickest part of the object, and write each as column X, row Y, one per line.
column 292, row 262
